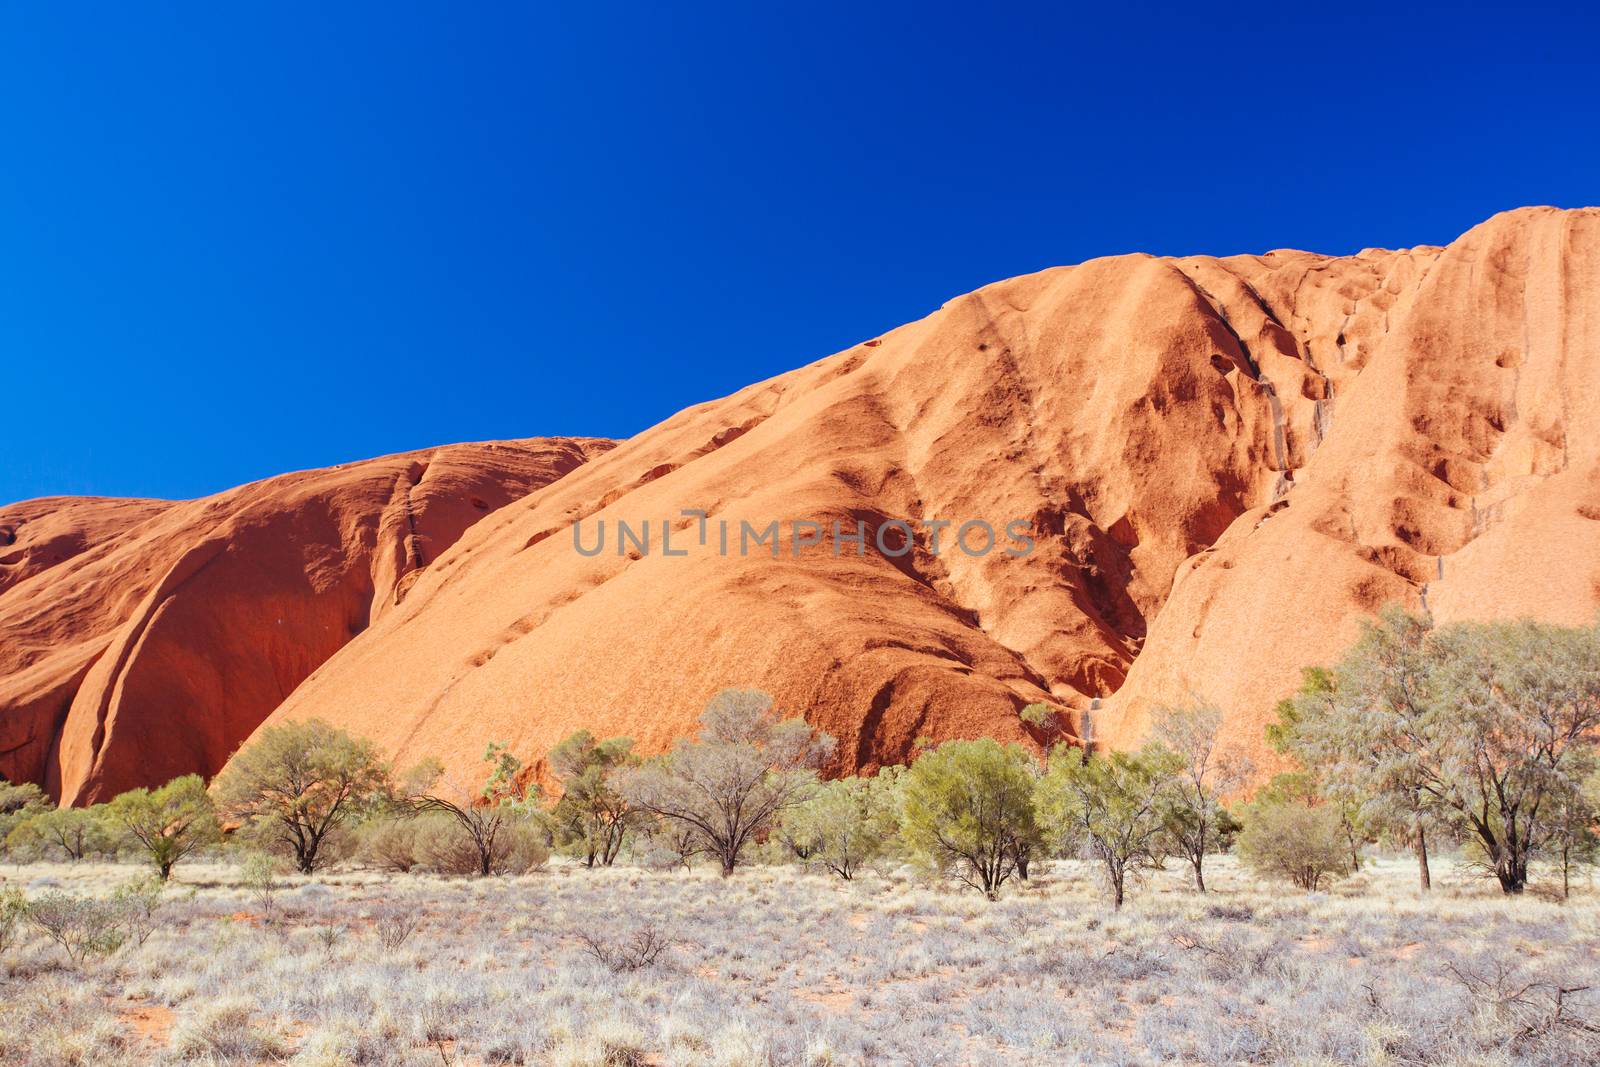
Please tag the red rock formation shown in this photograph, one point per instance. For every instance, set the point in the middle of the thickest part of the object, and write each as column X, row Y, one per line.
column 145, row 639
column 1227, row 463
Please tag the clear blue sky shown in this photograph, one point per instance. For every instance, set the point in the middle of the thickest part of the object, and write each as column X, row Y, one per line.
column 242, row 239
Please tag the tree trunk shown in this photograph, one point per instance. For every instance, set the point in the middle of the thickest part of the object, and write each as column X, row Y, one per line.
column 1421, row 845
column 1566, row 872
column 1512, row 872
column 1200, row 873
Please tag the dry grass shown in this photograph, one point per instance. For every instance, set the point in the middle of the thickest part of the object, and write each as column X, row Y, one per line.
column 776, row 966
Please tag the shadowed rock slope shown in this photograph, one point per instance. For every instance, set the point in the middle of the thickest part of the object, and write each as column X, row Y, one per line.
column 1226, row 462
column 144, row 639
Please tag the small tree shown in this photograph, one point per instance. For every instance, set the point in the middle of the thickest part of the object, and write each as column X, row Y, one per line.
column 1356, row 728
column 1573, row 841
column 666, row 843
column 82, row 926
column 1488, row 728
column 297, row 783
column 1205, row 771
column 967, row 810
column 592, row 818
column 1295, row 841
column 850, row 823
column 74, row 832
column 746, row 765
column 13, row 908
column 19, row 803
column 1112, row 807
column 493, row 820
column 168, row 823
column 1520, row 738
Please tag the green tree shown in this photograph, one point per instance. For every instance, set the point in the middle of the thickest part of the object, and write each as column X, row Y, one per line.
column 168, row 823
column 1360, row 724
column 729, row 784
column 592, row 818
column 1526, row 697
column 1573, row 841
column 1489, row 728
column 1197, row 823
column 1300, row 839
column 18, row 803
column 75, row 832
column 850, row 823
column 494, row 820
column 1114, row 808
column 297, row 783
column 966, row 809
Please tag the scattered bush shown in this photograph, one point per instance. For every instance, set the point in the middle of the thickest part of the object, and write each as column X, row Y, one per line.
column 225, row 1029
column 729, row 784
column 967, row 810
column 71, row 833
column 632, row 952
column 13, row 908
column 168, row 823
column 82, row 926
column 592, row 818
column 1113, row 808
column 297, row 783
column 393, row 844
column 395, row 924
column 1203, row 771
column 18, row 803
column 850, row 823
column 137, row 902
column 1297, row 842
column 259, row 873
column 499, row 828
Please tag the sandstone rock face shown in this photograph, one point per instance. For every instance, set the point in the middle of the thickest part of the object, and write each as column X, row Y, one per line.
column 1226, row 463
column 144, row 639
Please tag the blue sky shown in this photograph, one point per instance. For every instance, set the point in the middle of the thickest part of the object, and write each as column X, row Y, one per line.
column 239, row 240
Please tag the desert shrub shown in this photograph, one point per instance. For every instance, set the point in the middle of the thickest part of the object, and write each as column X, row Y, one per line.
column 664, row 844
column 518, row 846
column 71, row 833
column 224, row 1029
column 1114, row 808
column 259, row 873
column 13, row 908
column 729, row 784
column 498, row 825
column 137, row 902
column 392, row 844
column 527, row 848
column 395, row 924
column 168, row 823
column 622, row 954
column 1487, row 729
column 592, row 818
column 850, row 823
column 82, row 926
column 967, row 810
column 1301, row 843
column 1205, row 770
column 18, row 803
column 296, row 784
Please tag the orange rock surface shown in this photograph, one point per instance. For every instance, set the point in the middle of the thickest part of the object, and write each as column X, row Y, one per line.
column 144, row 639
column 1226, row 461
